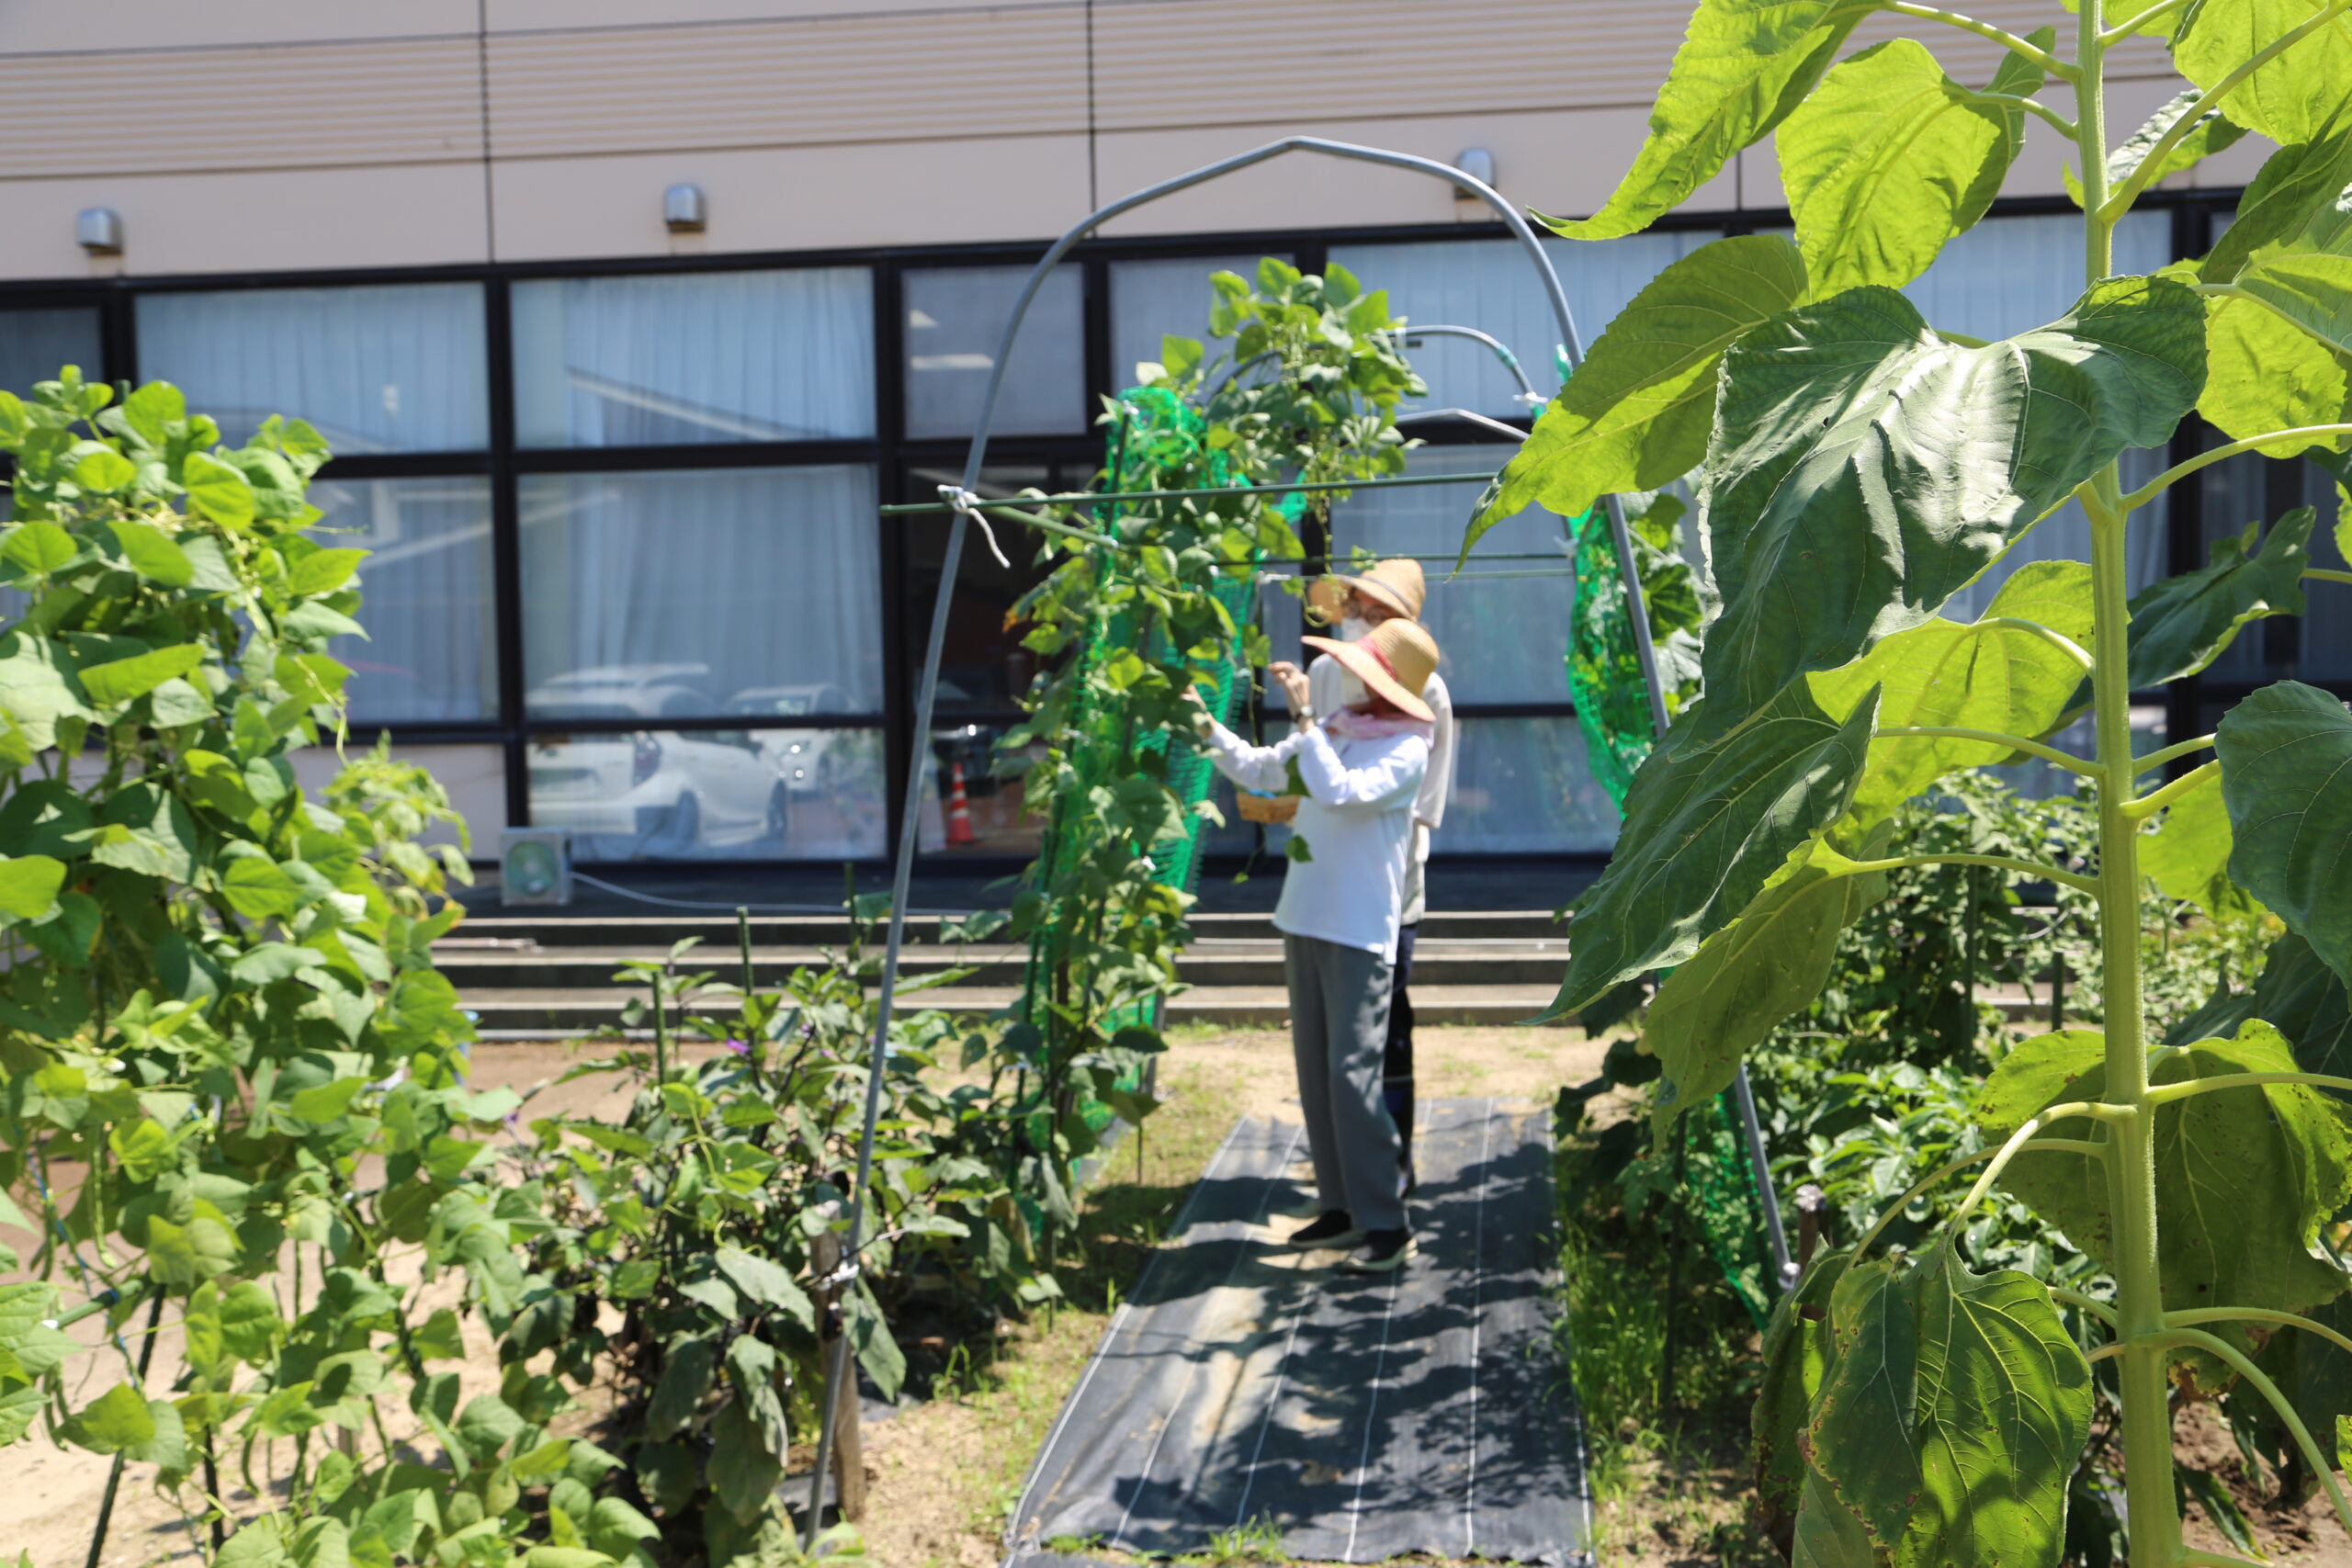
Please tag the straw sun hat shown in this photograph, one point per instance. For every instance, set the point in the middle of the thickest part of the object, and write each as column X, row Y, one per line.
column 1399, row 584
column 1394, row 660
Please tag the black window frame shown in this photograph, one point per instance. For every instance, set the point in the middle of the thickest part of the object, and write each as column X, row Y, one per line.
column 893, row 457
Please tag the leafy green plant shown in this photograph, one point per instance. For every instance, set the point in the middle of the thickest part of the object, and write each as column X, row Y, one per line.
column 230, row 1080
column 1306, row 391
column 703, row 1226
column 1856, row 468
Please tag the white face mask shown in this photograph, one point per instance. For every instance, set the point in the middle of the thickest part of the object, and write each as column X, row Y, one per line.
column 1351, row 688
column 1355, row 628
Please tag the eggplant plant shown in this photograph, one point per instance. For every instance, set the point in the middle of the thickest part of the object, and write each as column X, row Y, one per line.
column 1854, row 468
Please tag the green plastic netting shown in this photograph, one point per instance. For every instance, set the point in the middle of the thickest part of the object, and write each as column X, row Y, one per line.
column 1156, row 435
column 1613, row 712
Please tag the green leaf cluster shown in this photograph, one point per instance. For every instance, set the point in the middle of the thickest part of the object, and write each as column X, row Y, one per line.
column 1854, row 468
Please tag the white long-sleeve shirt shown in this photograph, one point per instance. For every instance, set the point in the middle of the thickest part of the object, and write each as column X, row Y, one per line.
column 1323, row 684
column 1357, row 821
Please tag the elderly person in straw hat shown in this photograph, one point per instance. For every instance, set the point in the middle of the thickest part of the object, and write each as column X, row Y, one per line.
column 1361, row 766
column 1354, row 604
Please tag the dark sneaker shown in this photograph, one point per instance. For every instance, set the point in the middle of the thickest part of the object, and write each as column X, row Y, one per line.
column 1382, row 1252
column 1334, row 1229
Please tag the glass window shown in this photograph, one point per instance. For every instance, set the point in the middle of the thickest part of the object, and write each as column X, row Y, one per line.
column 394, row 368
column 966, row 809
column 1492, row 286
column 1152, row 299
column 701, row 593
column 955, row 317
column 782, row 356
column 1521, row 786
column 1501, row 626
column 35, row 345
column 431, row 649
column 732, row 794
column 475, row 777
column 983, row 668
column 2011, row 275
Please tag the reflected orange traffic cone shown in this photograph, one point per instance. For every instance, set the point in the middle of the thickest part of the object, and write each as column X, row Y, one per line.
column 959, row 813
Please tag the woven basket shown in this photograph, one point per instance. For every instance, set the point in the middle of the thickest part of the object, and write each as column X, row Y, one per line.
column 1257, row 808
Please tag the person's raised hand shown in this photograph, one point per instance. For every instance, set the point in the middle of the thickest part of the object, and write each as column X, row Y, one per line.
column 1199, row 714
column 1293, row 681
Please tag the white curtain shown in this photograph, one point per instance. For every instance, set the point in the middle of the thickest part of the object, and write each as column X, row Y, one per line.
column 1521, row 785
column 35, row 345
column 1491, row 285
column 778, row 355
column 955, row 317
column 401, row 367
column 739, row 582
column 1502, row 626
column 431, row 649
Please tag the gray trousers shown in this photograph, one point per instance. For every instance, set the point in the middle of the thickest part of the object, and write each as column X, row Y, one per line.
column 1339, row 1030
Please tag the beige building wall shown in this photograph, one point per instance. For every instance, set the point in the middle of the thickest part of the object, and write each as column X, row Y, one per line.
column 271, row 135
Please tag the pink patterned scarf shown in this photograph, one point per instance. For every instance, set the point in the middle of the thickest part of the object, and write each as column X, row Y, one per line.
column 1349, row 725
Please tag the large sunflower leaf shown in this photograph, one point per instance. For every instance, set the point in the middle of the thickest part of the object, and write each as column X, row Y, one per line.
column 1888, row 159
column 2295, row 197
column 1708, row 821
column 2181, row 625
column 1637, row 411
column 1743, row 66
column 1865, row 469
column 2287, row 777
column 2189, row 856
column 1948, row 674
column 2311, row 289
column 2265, row 373
column 2277, row 1151
column 1745, row 978
column 2289, row 98
column 1952, row 1415
column 1796, row 1357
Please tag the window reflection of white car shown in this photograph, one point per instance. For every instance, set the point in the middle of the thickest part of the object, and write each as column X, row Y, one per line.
column 811, row 761
column 668, row 792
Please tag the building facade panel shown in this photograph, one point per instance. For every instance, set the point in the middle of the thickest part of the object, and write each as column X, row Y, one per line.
column 791, row 198
column 251, row 221
column 225, row 107
column 903, row 77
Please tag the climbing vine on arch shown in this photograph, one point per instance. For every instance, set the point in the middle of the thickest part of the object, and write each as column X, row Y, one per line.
column 1300, row 383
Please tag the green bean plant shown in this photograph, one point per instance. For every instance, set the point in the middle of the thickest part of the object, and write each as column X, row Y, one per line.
column 231, row 1092
column 1305, row 388
column 1855, row 467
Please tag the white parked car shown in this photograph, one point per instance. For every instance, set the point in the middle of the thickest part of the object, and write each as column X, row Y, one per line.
column 817, row 762
column 662, row 793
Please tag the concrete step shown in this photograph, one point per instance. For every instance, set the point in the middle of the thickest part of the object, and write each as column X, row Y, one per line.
column 657, row 931
column 1216, row 962
column 533, row 1013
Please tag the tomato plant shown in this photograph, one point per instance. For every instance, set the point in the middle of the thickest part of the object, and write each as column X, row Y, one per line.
column 1854, row 468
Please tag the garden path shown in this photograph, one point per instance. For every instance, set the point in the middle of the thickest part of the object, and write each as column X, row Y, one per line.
column 1246, row 1385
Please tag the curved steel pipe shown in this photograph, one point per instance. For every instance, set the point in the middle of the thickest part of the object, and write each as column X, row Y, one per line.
column 928, row 692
